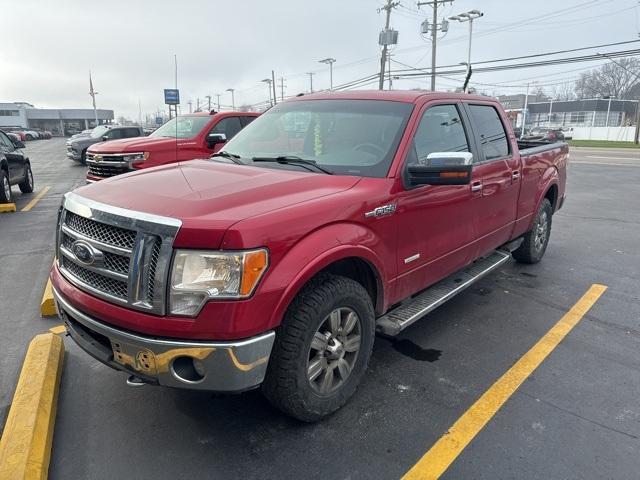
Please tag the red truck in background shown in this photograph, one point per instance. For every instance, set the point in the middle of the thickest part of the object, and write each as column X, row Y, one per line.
column 274, row 262
column 196, row 135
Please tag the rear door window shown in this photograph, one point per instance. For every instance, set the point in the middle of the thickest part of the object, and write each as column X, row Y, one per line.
column 490, row 131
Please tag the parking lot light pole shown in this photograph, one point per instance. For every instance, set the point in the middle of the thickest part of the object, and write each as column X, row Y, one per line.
column 330, row 61
column 268, row 82
column 233, row 99
column 469, row 16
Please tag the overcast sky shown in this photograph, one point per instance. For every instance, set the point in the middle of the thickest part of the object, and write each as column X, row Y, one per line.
column 48, row 47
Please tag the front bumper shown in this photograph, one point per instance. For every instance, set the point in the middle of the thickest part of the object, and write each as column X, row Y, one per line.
column 232, row 366
column 73, row 155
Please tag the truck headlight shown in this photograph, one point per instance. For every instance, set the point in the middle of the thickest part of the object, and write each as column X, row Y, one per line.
column 136, row 159
column 201, row 275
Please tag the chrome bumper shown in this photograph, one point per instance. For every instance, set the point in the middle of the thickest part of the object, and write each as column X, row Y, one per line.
column 215, row 366
column 74, row 156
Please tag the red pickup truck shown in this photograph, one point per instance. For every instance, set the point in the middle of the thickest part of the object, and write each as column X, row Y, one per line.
column 196, row 135
column 274, row 262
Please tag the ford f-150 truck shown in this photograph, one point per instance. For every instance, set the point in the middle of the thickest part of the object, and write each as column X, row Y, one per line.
column 274, row 262
column 196, row 135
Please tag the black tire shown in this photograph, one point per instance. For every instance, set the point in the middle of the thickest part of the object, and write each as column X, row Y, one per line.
column 83, row 157
column 536, row 240
column 5, row 188
column 26, row 185
column 28, row 136
column 287, row 384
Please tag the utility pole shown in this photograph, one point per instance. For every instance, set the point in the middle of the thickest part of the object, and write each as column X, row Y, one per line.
column 273, row 84
column 329, row 61
column 208, row 97
column 190, row 103
column 218, row 95
column 434, row 27
column 385, row 39
column 311, row 74
column 282, row 85
column 198, row 104
column 524, row 112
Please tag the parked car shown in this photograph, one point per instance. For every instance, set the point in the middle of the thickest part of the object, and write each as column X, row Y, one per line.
column 198, row 136
column 540, row 134
column 43, row 134
column 273, row 263
column 15, row 168
column 22, row 136
column 77, row 146
column 13, row 136
column 70, row 131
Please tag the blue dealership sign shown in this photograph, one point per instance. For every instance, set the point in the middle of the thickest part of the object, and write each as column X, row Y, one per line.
column 171, row 96
column 159, row 121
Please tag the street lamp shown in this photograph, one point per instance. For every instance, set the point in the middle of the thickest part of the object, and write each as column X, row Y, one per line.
column 268, row 82
column 330, row 61
column 469, row 16
column 233, row 98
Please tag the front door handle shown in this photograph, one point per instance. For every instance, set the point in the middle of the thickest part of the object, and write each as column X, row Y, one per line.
column 515, row 175
column 476, row 186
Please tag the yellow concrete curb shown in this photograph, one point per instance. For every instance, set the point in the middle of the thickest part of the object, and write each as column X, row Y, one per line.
column 48, row 305
column 7, row 207
column 25, row 447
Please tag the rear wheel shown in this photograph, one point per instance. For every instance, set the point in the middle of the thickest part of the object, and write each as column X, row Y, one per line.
column 26, row 185
column 5, row 188
column 322, row 348
column 536, row 240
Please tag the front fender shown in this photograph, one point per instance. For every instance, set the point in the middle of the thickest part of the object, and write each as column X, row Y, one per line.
column 323, row 247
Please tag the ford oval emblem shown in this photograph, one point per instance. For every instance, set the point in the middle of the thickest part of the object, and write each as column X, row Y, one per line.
column 85, row 253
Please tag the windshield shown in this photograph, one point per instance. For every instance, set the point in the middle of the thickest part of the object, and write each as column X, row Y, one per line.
column 99, row 131
column 188, row 126
column 350, row 137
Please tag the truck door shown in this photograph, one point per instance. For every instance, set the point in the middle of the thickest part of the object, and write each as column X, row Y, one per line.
column 496, row 178
column 229, row 126
column 436, row 229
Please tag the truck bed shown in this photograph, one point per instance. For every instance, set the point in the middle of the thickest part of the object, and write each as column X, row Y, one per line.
column 532, row 147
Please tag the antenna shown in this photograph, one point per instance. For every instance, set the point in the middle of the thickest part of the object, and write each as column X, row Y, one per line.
column 175, row 59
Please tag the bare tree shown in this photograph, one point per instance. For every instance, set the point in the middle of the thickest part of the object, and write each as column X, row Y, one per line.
column 619, row 80
column 563, row 92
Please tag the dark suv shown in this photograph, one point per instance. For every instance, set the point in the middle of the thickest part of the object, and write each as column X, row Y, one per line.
column 15, row 168
column 77, row 147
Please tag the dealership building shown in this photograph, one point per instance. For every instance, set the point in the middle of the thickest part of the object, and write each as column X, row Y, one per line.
column 55, row 120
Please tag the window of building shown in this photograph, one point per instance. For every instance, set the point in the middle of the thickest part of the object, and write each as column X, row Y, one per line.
column 9, row 113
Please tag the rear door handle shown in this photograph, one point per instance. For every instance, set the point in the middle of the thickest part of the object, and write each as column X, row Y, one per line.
column 476, row 186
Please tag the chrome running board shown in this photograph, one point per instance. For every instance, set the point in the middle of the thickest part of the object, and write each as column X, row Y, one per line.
column 407, row 313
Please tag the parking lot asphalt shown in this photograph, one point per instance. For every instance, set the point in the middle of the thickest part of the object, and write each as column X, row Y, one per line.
column 577, row 415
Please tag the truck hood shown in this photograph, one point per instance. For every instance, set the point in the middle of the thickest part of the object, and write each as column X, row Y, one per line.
column 140, row 144
column 208, row 197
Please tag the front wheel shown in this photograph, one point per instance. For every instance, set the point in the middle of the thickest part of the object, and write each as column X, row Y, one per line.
column 536, row 240
column 26, row 185
column 5, row 188
column 322, row 348
column 83, row 157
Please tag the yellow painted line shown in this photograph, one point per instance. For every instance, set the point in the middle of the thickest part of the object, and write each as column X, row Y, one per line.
column 25, row 447
column 605, row 163
column 7, row 207
column 37, row 198
column 58, row 329
column 48, row 305
column 442, row 454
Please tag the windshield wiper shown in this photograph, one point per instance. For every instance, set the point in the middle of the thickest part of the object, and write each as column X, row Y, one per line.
column 229, row 156
column 294, row 160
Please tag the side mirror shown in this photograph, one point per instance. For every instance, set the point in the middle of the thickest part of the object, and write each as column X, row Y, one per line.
column 105, row 138
column 442, row 168
column 216, row 138
column 19, row 144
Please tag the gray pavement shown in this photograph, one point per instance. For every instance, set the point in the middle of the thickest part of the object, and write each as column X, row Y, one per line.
column 576, row 417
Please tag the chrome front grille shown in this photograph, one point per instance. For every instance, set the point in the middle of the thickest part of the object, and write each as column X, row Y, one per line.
column 107, row 165
column 119, row 255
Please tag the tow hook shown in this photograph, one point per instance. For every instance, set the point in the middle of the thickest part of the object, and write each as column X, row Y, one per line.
column 134, row 381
